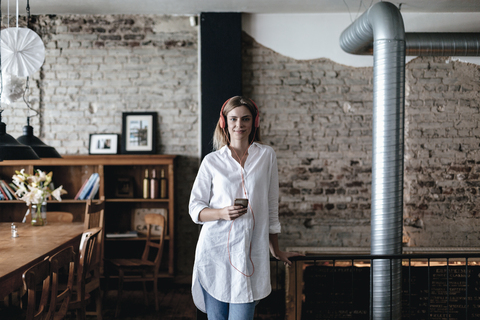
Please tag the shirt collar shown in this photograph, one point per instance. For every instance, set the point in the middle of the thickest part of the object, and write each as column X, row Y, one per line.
column 225, row 148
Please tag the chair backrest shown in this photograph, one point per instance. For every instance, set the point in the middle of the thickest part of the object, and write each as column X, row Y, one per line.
column 86, row 256
column 94, row 218
column 59, row 216
column 94, row 212
column 32, row 278
column 152, row 220
column 63, row 262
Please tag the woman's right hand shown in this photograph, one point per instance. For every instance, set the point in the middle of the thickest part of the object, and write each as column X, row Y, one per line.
column 228, row 213
column 232, row 212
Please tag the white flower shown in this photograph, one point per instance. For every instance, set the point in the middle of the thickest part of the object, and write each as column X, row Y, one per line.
column 58, row 192
column 34, row 180
column 21, row 189
column 34, row 196
column 19, row 178
column 34, row 188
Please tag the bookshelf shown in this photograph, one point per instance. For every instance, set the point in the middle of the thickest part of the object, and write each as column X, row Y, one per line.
column 72, row 170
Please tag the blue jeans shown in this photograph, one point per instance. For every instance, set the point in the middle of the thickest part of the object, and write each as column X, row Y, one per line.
column 217, row 310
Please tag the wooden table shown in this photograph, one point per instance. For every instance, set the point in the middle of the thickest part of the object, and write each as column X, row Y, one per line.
column 32, row 245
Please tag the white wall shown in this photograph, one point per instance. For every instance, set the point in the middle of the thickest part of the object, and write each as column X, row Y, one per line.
column 313, row 36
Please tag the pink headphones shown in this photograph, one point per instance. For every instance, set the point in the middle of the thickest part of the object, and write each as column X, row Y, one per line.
column 222, row 118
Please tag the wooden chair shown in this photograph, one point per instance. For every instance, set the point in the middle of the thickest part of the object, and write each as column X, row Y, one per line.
column 85, row 274
column 59, row 216
column 142, row 269
column 62, row 261
column 94, row 218
column 32, row 278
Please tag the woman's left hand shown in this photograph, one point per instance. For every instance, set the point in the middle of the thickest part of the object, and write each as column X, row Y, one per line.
column 284, row 256
column 277, row 253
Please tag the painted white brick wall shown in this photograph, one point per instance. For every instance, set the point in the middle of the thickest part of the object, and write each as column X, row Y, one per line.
column 97, row 67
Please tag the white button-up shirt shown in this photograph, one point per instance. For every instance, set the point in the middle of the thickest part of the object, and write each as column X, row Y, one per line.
column 225, row 245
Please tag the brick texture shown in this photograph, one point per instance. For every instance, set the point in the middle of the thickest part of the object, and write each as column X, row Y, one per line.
column 442, row 153
column 317, row 115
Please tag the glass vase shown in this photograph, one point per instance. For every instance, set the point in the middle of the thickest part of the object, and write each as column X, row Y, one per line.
column 39, row 214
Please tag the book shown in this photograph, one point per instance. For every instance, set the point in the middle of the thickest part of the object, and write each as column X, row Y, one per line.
column 81, row 189
column 88, row 186
column 4, row 193
column 128, row 234
column 12, row 192
column 13, row 186
column 95, row 188
column 9, row 194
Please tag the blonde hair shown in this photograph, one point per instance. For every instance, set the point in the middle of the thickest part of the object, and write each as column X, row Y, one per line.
column 221, row 136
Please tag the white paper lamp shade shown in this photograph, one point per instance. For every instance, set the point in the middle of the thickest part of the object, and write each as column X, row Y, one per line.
column 23, row 52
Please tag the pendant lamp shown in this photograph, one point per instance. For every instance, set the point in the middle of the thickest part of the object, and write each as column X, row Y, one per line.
column 40, row 148
column 11, row 149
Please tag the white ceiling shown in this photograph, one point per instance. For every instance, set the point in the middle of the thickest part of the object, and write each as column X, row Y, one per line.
column 189, row 7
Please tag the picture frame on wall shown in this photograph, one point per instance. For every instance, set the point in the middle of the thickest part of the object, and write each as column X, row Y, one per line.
column 139, row 131
column 103, row 143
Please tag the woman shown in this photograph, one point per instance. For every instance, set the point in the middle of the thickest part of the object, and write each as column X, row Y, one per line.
column 232, row 270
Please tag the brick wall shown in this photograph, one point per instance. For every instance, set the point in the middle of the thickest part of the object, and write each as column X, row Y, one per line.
column 317, row 115
column 442, row 153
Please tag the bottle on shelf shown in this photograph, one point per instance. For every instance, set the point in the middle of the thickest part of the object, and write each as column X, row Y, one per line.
column 154, row 185
column 146, row 185
column 163, row 185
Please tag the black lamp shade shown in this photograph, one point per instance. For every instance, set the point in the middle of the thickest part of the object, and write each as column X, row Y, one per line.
column 11, row 149
column 40, row 148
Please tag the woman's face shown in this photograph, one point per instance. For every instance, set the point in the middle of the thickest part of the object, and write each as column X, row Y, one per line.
column 239, row 123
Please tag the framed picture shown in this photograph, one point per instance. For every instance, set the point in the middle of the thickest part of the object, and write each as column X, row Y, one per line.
column 139, row 131
column 124, row 188
column 103, row 143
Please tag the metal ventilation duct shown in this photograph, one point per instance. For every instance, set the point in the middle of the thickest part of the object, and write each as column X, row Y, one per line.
column 428, row 44
column 382, row 26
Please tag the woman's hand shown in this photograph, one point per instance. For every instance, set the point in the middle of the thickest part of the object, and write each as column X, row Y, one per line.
column 227, row 213
column 232, row 212
column 284, row 256
column 280, row 255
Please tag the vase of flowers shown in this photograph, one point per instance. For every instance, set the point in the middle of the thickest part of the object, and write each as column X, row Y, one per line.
column 39, row 214
column 35, row 189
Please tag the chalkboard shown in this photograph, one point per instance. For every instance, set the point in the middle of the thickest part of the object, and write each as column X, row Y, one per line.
column 336, row 293
column 344, row 293
column 418, row 305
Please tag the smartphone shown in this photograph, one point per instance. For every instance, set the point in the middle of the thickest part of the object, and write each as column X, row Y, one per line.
column 241, row 202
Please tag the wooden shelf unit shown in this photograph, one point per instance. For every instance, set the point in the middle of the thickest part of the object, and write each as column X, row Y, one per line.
column 72, row 170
